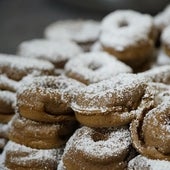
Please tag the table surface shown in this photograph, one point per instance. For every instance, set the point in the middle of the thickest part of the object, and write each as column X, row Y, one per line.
column 26, row 19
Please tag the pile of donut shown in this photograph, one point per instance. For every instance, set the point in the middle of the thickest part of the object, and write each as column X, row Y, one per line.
column 90, row 95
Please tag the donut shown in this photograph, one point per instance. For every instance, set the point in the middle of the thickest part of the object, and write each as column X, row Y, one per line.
column 162, row 59
column 140, row 163
column 7, row 106
column 3, row 142
column 20, row 157
column 158, row 74
column 8, row 84
column 47, row 98
column 165, row 40
column 112, row 102
column 97, row 149
column 4, row 130
column 93, row 67
column 57, row 52
column 16, row 68
column 83, row 32
column 162, row 19
column 40, row 135
column 150, row 130
column 128, row 35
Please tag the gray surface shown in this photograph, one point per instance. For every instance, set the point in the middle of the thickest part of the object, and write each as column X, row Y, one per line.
column 26, row 19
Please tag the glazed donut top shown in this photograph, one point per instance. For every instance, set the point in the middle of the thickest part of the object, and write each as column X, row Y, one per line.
column 83, row 140
column 80, row 31
column 95, row 66
column 53, row 51
column 126, row 27
column 165, row 36
column 16, row 68
column 162, row 19
column 162, row 59
column 58, row 89
column 121, row 93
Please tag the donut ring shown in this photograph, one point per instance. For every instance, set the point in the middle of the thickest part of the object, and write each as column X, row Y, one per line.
column 20, row 157
column 8, row 84
column 7, row 106
column 47, row 98
column 159, row 74
column 165, row 40
column 97, row 149
column 141, row 162
column 109, row 103
column 57, row 52
column 16, row 68
column 93, row 67
column 130, row 42
column 150, row 133
column 46, row 135
column 83, row 32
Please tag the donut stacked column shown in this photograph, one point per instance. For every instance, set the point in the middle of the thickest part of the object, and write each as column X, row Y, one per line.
column 42, row 124
column 12, row 71
column 106, row 109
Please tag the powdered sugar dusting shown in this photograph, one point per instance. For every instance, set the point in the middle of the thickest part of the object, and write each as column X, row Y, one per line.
column 162, row 59
column 162, row 19
column 95, row 66
column 80, row 31
column 137, row 27
column 32, row 154
column 8, row 84
column 141, row 162
column 118, row 141
column 54, row 51
column 165, row 36
column 108, row 94
column 19, row 63
column 8, row 97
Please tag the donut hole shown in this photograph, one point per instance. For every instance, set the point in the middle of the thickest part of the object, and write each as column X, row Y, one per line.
column 99, row 136
column 94, row 66
column 123, row 23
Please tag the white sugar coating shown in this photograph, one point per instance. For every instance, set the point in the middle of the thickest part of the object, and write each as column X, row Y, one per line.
column 165, row 36
column 2, row 142
column 123, row 28
column 96, row 46
column 8, row 97
column 81, row 31
column 162, row 58
column 54, row 51
column 34, row 154
column 8, row 84
column 49, row 85
column 118, row 142
column 162, row 19
column 158, row 74
column 112, row 92
column 61, row 166
column 140, row 163
column 4, row 128
column 17, row 62
column 96, row 66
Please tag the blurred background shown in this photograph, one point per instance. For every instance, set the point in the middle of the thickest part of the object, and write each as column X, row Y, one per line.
column 26, row 19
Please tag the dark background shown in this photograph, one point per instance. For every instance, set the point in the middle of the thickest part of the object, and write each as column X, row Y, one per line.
column 26, row 19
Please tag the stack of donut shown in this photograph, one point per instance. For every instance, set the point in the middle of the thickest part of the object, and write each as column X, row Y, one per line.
column 12, row 71
column 42, row 124
column 92, row 95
